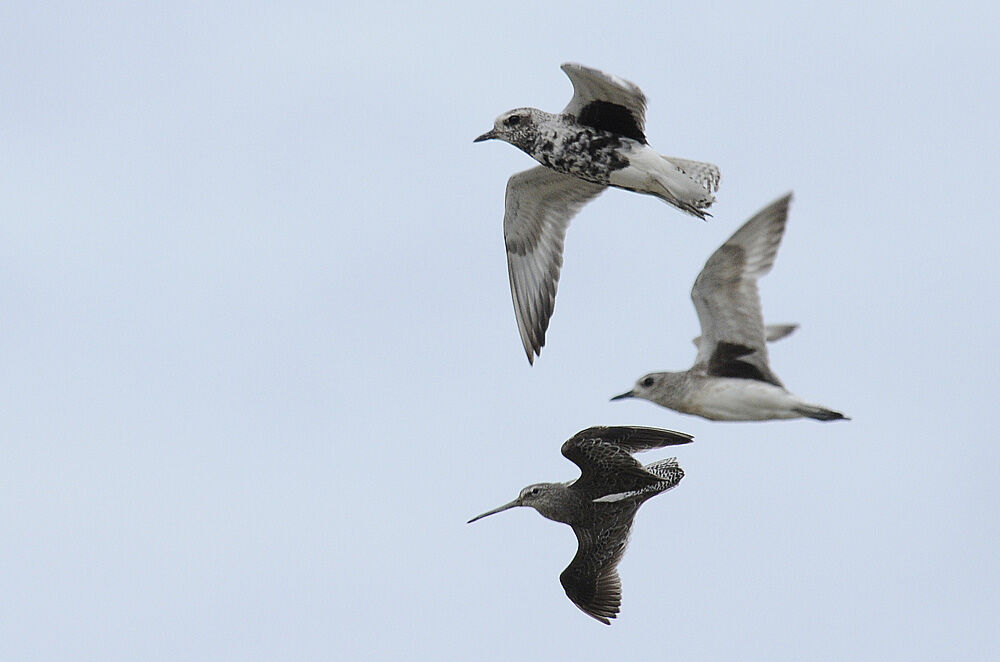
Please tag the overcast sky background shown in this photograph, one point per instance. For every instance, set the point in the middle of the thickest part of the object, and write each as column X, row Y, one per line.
column 259, row 360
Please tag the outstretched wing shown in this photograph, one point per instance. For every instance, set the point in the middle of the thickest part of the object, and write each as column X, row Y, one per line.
column 728, row 303
column 540, row 204
column 606, row 102
column 772, row 333
column 604, row 455
column 591, row 579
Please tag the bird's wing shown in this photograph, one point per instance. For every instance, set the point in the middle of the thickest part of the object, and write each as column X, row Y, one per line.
column 606, row 102
column 772, row 333
column 540, row 203
column 604, row 455
column 591, row 579
column 725, row 295
column 668, row 473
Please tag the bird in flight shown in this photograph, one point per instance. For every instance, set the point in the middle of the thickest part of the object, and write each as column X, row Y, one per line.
column 731, row 379
column 600, row 506
column 597, row 141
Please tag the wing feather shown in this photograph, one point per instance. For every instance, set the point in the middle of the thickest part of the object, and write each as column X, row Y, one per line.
column 540, row 203
column 591, row 579
column 604, row 455
column 726, row 297
column 607, row 102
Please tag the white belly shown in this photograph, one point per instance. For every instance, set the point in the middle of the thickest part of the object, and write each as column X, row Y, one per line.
column 648, row 172
column 725, row 399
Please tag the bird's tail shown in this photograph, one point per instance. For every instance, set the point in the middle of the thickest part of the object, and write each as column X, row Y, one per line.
column 669, row 473
column 666, row 470
column 820, row 413
column 690, row 186
column 706, row 174
column 696, row 208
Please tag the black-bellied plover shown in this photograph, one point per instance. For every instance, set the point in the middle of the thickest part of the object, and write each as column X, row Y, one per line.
column 731, row 379
column 600, row 506
column 597, row 141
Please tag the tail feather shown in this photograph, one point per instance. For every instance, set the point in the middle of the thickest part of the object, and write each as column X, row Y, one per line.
column 706, row 174
column 820, row 413
column 695, row 206
column 669, row 473
column 666, row 470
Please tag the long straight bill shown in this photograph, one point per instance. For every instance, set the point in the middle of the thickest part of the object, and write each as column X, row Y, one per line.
column 506, row 506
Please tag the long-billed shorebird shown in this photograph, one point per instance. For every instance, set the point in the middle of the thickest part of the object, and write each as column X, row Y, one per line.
column 597, row 141
column 731, row 379
column 600, row 506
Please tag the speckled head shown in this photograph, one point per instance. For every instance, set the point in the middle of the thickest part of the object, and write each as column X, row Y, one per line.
column 519, row 127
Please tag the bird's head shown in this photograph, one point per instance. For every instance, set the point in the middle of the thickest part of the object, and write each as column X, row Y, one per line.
column 532, row 496
column 519, row 127
column 648, row 386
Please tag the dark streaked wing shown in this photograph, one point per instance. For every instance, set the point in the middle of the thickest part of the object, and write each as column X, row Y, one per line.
column 727, row 300
column 604, row 455
column 606, row 102
column 539, row 206
column 591, row 579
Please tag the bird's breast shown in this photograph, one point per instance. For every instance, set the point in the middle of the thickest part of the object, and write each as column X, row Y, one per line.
column 581, row 152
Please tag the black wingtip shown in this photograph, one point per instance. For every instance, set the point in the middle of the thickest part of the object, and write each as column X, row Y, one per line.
column 654, row 437
column 670, row 437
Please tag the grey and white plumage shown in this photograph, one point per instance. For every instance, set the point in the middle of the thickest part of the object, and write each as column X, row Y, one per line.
column 731, row 379
column 597, row 141
column 600, row 506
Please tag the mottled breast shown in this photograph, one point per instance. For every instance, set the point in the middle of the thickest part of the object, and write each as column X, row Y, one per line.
column 583, row 152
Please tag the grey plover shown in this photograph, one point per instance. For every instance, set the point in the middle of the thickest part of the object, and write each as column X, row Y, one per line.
column 731, row 379
column 597, row 141
column 600, row 506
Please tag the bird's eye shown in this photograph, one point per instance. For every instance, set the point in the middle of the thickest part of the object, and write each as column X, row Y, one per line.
column 513, row 120
column 648, row 381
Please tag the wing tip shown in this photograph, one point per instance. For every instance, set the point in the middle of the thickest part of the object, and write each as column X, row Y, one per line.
column 668, row 437
column 625, row 433
column 531, row 351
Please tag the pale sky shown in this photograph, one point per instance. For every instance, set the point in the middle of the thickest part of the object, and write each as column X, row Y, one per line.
column 260, row 364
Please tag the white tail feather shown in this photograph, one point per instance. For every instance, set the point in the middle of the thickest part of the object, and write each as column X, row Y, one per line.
column 706, row 174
